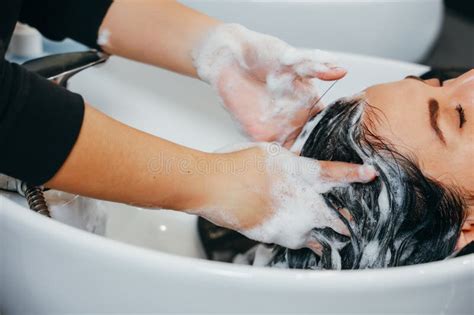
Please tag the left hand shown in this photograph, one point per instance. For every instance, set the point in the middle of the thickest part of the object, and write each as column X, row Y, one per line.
column 267, row 85
column 271, row 195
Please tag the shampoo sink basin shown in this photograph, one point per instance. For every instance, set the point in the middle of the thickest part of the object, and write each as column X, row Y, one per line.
column 151, row 261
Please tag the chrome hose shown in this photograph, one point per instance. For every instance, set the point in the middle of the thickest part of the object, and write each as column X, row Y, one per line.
column 34, row 195
column 36, row 201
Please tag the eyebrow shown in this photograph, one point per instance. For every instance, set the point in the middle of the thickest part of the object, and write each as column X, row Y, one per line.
column 434, row 114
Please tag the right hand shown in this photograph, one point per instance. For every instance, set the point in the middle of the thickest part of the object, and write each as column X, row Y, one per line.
column 269, row 87
column 271, row 195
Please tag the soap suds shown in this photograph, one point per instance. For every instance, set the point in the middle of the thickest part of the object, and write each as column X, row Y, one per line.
column 300, row 215
column 103, row 37
column 297, row 202
column 289, row 73
column 370, row 253
column 259, row 255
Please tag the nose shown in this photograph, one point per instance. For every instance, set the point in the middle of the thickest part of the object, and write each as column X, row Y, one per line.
column 461, row 89
column 466, row 78
column 448, row 82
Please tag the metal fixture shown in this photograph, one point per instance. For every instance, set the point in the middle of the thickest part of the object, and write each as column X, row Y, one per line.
column 58, row 68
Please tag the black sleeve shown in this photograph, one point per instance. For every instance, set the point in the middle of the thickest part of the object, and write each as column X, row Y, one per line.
column 40, row 121
column 58, row 19
column 39, row 124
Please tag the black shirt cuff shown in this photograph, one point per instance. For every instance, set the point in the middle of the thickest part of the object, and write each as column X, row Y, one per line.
column 40, row 129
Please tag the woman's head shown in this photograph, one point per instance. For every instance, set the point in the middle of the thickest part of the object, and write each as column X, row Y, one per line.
column 410, row 214
column 433, row 122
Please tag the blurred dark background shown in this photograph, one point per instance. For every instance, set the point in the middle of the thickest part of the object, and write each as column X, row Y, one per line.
column 455, row 46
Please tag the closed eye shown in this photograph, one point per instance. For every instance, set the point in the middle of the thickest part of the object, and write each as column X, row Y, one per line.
column 462, row 117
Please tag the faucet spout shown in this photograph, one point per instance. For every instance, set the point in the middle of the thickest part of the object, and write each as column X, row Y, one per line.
column 61, row 67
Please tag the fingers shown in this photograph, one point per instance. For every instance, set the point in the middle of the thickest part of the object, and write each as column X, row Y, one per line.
column 326, row 72
column 342, row 172
column 334, row 73
column 312, row 64
column 315, row 246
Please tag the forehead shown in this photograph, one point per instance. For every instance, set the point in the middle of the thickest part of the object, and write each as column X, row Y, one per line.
column 399, row 113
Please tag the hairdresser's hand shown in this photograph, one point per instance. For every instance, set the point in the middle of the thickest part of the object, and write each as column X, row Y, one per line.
column 267, row 85
column 273, row 196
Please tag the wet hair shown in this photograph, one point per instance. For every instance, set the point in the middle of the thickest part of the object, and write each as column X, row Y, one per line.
column 401, row 218
column 419, row 222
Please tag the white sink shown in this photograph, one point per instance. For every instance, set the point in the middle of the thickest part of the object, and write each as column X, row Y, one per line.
column 149, row 260
column 398, row 29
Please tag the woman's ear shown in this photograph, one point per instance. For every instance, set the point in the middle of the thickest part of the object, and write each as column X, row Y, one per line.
column 467, row 231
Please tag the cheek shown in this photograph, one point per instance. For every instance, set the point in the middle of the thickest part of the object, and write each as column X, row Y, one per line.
column 456, row 168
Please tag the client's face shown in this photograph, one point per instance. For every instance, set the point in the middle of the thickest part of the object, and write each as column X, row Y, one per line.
column 430, row 120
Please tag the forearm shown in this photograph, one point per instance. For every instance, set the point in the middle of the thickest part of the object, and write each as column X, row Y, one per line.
column 251, row 191
column 162, row 33
column 115, row 162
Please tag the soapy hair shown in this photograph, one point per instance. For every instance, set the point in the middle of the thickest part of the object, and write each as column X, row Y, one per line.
column 401, row 218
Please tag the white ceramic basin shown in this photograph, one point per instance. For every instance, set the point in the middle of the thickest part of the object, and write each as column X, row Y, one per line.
column 398, row 29
column 48, row 267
